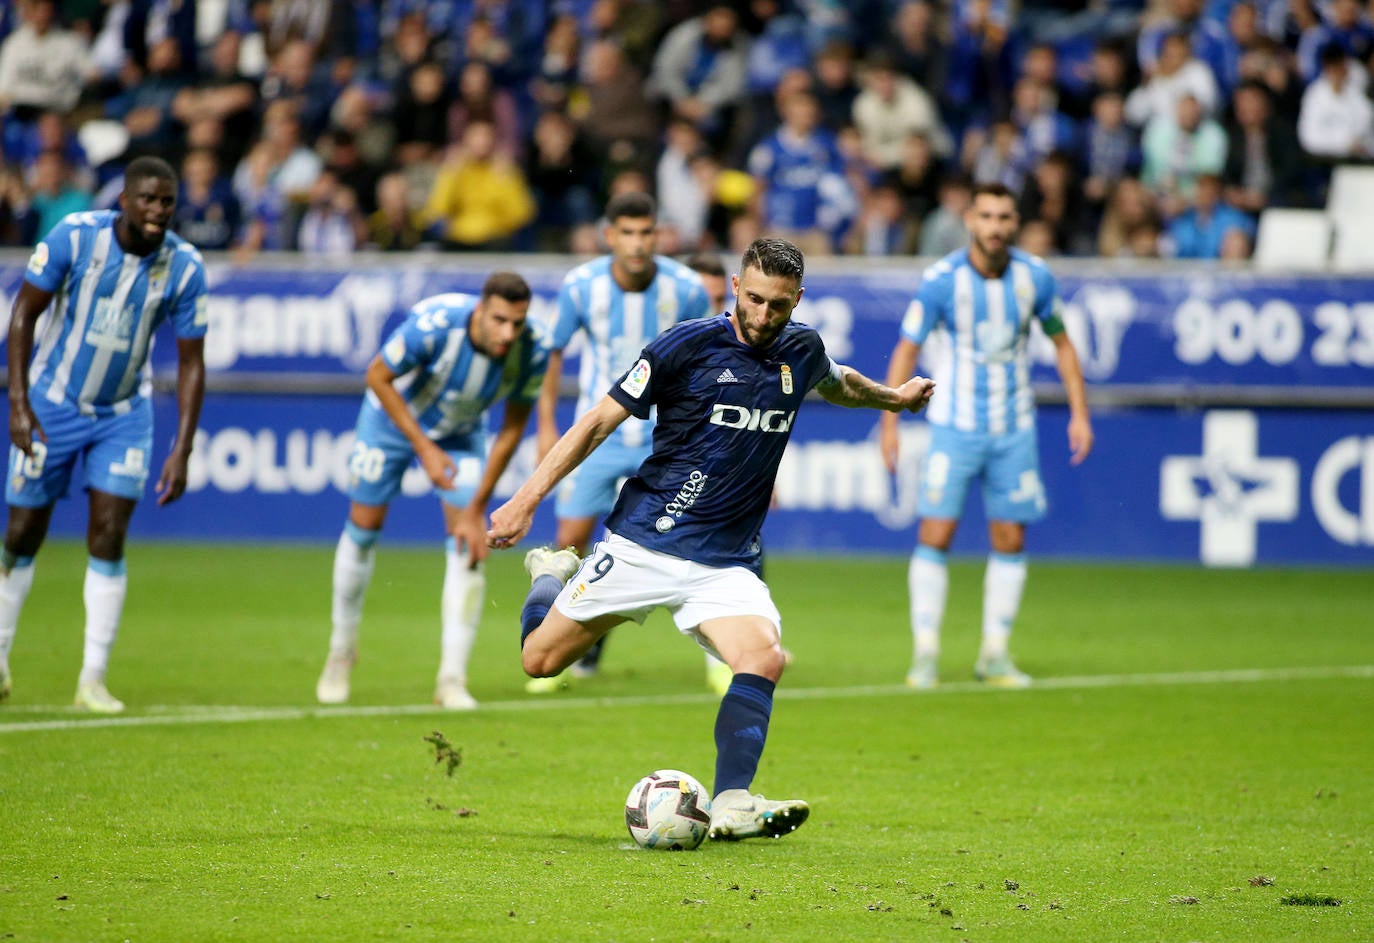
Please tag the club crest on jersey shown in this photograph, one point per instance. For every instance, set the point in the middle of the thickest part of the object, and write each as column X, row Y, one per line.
column 786, row 379
column 39, row 260
column 637, row 379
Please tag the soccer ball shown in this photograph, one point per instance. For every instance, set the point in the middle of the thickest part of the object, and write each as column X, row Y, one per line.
column 669, row 810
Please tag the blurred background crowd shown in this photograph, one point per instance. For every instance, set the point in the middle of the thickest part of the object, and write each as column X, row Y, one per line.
column 1136, row 128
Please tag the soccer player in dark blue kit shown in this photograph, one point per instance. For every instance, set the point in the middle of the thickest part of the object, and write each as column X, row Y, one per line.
column 684, row 533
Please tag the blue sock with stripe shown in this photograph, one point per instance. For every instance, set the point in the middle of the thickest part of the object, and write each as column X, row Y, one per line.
column 537, row 604
column 741, row 730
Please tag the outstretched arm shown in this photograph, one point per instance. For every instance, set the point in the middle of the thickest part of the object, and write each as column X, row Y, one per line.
column 852, row 388
column 470, row 531
column 546, row 426
column 900, row 367
column 511, row 521
column 1071, row 375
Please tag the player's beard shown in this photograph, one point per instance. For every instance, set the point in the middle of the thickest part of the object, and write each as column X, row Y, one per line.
column 996, row 258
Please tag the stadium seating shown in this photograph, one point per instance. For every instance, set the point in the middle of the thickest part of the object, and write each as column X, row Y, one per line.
column 1293, row 239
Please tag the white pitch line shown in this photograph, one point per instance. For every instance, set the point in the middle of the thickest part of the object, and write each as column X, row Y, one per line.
column 171, row 715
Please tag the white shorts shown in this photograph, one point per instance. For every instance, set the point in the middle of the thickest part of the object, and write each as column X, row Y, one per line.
column 622, row 578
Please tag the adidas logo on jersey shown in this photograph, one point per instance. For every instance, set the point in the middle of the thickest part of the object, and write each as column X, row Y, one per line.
column 728, row 377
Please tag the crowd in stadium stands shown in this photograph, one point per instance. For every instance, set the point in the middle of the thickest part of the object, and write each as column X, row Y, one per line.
column 1134, row 128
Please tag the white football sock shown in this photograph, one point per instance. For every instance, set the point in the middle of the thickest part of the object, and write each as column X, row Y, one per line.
column 14, row 589
column 928, row 583
column 461, row 608
column 1003, row 582
column 352, row 574
column 103, row 593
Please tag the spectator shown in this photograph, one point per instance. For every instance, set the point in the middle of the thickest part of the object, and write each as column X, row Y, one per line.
column 835, row 86
column 421, row 114
column 914, row 46
column 617, row 116
column 997, row 155
column 682, row 205
column 207, row 212
column 556, row 78
column 1043, row 128
column 479, row 99
column 222, row 94
column 1204, row 37
column 14, row 207
column 266, row 224
column 1111, row 151
column 883, row 227
column 889, row 109
column 54, row 194
column 294, row 166
column 480, row 200
column 979, row 72
column 1268, row 64
column 916, row 178
column 1241, row 37
column 631, row 25
column 331, row 224
column 1201, row 231
column 342, row 157
column 1130, row 208
column 394, row 226
column 1263, row 163
column 292, row 76
column 1036, row 236
column 561, row 178
column 699, row 69
column 1344, row 25
column 41, row 65
column 327, row 27
column 1176, row 151
column 358, row 112
column 146, row 109
column 1336, row 121
column 800, row 176
column 1052, row 198
column 943, row 231
column 1177, row 74
column 1108, row 72
column 779, row 45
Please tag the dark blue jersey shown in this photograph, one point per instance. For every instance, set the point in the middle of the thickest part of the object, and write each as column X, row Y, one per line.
column 725, row 413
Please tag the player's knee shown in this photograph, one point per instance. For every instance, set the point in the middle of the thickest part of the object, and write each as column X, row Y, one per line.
column 538, row 663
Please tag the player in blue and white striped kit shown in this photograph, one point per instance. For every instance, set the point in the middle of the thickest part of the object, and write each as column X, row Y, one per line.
column 685, row 529
column 428, row 394
column 619, row 302
column 973, row 313
column 107, row 280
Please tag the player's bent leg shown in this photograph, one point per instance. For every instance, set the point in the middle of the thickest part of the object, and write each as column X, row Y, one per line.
column 574, row 533
column 559, row 641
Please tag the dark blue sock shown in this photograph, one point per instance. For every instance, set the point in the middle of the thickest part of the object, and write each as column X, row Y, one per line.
column 741, row 729
column 537, row 604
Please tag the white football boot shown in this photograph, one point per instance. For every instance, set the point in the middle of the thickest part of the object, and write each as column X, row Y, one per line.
column 560, row 564
column 735, row 814
column 1001, row 673
column 93, row 696
column 924, row 673
column 451, row 694
column 333, row 686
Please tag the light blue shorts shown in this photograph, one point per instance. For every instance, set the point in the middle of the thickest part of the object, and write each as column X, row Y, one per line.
column 1009, row 466
column 114, row 450
column 382, row 455
column 591, row 489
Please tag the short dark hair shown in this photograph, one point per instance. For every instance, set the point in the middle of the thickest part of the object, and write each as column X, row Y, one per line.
column 992, row 188
column 706, row 263
column 141, row 168
column 506, row 285
column 773, row 256
column 634, row 205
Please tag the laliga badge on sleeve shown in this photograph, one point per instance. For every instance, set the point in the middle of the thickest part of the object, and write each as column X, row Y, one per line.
column 786, row 379
column 39, row 260
column 637, row 379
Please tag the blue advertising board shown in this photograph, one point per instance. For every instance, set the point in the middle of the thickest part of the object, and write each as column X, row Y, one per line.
column 1184, row 328
column 1224, row 487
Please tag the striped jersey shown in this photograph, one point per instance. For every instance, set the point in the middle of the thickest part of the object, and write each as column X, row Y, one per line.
column 978, row 331
column 725, row 414
column 447, row 383
column 618, row 323
column 93, row 341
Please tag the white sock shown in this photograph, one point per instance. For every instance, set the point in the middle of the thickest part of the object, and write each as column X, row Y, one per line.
column 1003, row 582
column 928, row 582
column 352, row 573
column 14, row 589
column 461, row 609
column 103, row 593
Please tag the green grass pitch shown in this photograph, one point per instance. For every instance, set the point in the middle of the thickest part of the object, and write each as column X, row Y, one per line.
column 1196, row 762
